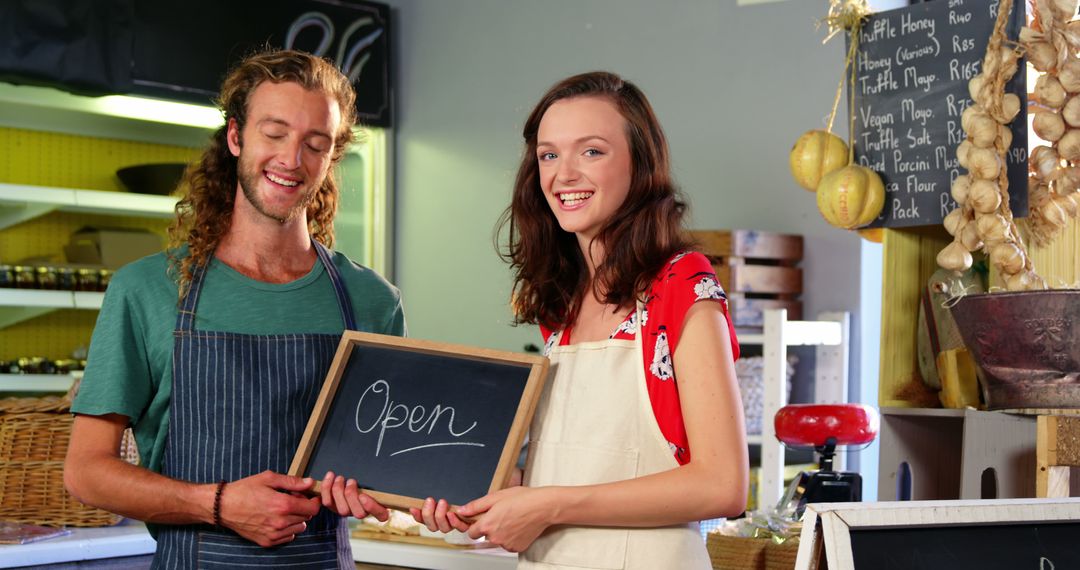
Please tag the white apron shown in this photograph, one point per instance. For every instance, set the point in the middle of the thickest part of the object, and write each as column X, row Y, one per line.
column 594, row 424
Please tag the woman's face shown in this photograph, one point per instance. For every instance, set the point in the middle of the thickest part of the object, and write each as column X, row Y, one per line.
column 584, row 162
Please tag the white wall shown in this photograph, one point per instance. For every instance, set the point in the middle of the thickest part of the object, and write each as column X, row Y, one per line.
column 733, row 86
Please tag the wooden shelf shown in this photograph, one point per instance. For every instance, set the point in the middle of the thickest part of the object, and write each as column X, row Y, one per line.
column 945, row 454
column 22, row 202
column 17, row 305
column 799, row 333
column 829, row 334
column 36, row 382
column 924, row 412
column 750, row 338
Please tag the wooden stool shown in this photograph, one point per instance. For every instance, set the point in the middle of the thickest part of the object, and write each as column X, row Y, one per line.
column 1057, row 449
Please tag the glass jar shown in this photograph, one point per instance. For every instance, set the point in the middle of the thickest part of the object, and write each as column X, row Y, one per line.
column 24, row 277
column 104, row 276
column 66, row 279
column 46, row 277
column 7, row 276
column 86, row 280
column 65, row 366
column 44, row 365
column 27, row 365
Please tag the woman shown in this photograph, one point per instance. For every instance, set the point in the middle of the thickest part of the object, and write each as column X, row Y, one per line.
column 640, row 429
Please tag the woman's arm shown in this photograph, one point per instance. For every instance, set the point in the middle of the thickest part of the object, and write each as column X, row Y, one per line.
column 713, row 484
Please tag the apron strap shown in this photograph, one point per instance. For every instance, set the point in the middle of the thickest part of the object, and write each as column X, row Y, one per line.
column 185, row 315
column 339, row 286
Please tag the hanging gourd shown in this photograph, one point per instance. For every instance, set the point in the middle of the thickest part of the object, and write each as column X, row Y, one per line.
column 851, row 197
column 816, row 154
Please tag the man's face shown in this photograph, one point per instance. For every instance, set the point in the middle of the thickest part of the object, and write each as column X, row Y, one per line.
column 285, row 148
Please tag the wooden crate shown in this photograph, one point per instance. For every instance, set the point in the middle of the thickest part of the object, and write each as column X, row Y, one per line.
column 749, row 243
column 736, row 275
column 757, row 270
column 750, row 311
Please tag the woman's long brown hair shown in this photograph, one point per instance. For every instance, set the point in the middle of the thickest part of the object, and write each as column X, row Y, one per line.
column 550, row 273
column 204, row 212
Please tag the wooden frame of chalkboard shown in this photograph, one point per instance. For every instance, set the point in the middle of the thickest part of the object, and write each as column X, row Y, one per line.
column 986, row 534
column 410, row 419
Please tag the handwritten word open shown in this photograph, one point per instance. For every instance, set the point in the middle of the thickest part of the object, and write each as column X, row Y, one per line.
column 393, row 415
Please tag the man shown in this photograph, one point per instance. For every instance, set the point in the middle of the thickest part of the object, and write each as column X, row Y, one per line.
column 214, row 352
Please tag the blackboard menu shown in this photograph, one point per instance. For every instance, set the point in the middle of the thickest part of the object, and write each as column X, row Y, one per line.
column 911, row 86
column 183, row 50
column 1039, row 546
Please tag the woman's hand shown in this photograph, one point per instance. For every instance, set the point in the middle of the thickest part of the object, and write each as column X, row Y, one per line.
column 438, row 517
column 345, row 498
column 514, row 517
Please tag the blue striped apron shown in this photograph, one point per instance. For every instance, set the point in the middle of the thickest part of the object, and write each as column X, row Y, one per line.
column 239, row 406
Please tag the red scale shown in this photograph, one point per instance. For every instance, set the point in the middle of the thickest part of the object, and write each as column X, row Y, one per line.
column 824, row 427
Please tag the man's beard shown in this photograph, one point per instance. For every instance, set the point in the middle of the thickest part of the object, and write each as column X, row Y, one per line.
column 249, row 179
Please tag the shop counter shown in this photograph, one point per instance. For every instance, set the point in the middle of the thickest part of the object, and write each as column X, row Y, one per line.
column 431, row 557
column 129, row 538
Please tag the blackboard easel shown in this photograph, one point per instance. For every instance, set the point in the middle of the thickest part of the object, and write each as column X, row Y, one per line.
column 997, row 534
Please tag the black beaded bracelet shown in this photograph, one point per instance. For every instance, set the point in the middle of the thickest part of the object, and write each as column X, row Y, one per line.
column 217, row 503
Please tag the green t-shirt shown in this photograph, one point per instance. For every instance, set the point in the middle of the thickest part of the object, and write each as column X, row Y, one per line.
column 129, row 368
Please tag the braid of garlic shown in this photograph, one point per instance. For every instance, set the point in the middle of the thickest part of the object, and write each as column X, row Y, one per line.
column 983, row 219
column 1051, row 43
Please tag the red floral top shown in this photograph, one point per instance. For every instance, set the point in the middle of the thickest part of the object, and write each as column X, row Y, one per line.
column 685, row 280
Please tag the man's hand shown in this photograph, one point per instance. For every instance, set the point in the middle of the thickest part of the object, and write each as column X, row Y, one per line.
column 267, row 508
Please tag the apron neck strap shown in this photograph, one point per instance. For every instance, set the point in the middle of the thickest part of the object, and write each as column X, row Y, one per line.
column 185, row 316
column 344, row 304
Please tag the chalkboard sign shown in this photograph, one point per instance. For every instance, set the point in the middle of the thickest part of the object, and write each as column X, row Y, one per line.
column 183, row 50
column 1043, row 546
column 410, row 419
column 911, row 86
column 1004, row 534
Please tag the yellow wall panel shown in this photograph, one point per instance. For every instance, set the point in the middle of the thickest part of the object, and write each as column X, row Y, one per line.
column 67, row 161
column 72, row 161
column 1059, row 262
column 909, row 261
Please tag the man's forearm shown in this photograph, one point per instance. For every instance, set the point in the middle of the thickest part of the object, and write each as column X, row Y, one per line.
column 112, row 484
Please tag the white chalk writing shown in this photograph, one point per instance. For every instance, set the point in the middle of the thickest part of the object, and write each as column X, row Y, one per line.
column 391, row 415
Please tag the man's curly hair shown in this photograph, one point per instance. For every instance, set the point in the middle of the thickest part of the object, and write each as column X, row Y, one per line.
column 204, row 212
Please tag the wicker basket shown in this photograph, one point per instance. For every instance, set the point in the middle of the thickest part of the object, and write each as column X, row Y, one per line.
column 736, row 552
column 781, row 556
column 34, row 435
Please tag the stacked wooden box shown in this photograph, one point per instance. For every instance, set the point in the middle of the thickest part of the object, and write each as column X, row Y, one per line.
column 757, row 270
